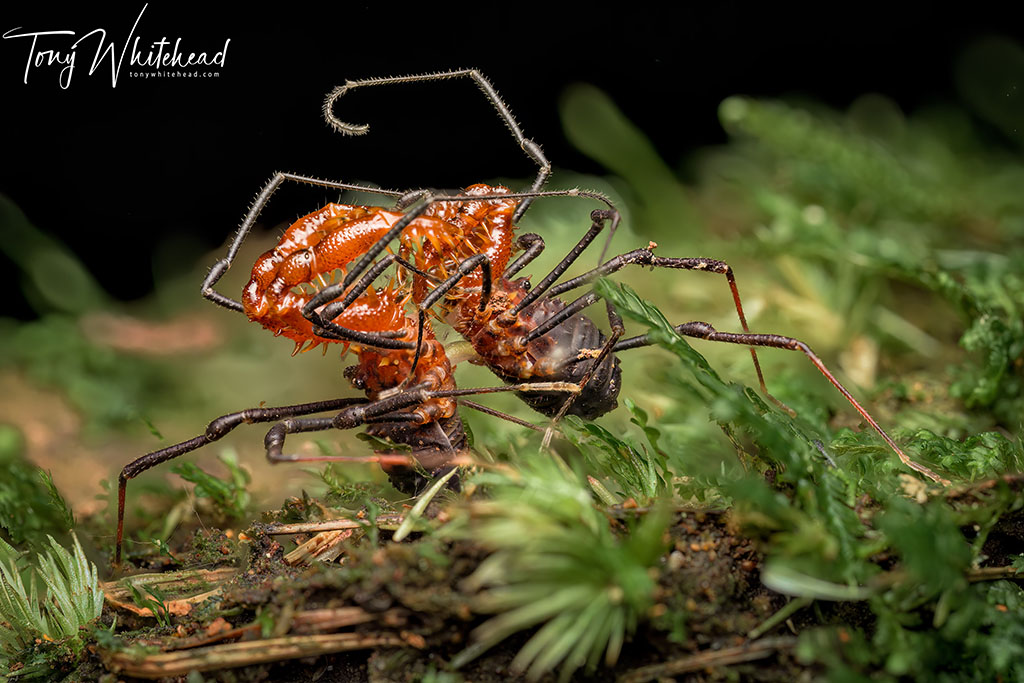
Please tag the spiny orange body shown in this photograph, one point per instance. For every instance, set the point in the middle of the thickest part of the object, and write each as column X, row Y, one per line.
column 312, row 247
column 379, row 370
column 328, row 240
column 470, row 227
column 499, row 341
column 485, row 227
column 311, row 250
column 318, row 244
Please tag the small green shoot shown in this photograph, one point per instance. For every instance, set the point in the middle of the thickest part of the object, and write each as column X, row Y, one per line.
column 379, row 444
column 342, row 489
column 639, row 472
column 154, row 600
column 60, row 505
column 411, row 517
column 152, row 427
column 230, row 496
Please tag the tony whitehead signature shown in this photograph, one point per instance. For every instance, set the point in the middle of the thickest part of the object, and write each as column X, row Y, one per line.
column 50, row 50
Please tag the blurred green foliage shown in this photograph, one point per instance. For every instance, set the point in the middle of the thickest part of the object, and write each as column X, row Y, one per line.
column 30, row 506
column 926, row 616
column 896, row 199
column 108, row 387
column 229, row 495
column 905, row 229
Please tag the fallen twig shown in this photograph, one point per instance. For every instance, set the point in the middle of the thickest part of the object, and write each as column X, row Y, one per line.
column 389, row 520
column 231, row 655
column 118, row 594
column 994, row 573
column 747, row 652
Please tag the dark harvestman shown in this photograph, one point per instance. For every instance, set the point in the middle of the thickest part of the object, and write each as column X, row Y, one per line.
column 510, row 325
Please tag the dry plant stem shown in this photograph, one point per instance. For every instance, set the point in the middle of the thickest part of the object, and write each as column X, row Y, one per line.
column 497, row 413
column 178, row 608
column 384, row 521
column 749, row 652
column 340, row 617
column 171, row 581
column 994, row 574
column 231, row 655
column 325, row 547
column 788, row 610
column 302, row 622
column 1014, row 480
column 118, row 595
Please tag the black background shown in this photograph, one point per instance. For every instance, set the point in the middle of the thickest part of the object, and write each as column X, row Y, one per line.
column 113, row 172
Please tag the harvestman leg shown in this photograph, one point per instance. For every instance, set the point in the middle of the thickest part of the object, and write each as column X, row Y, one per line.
column 696, row 329
column 529, row 147
column 331, row 308
column 481, row 261
column 354, row 412
column 699, row 329
column 216, row 430
column 645, row 257
column 425, row 198
column 386, row 409
column 638, row 257
column 534, row 245
column 385, row 339
column 322, row 318
column 390, row 410
column 702, row 330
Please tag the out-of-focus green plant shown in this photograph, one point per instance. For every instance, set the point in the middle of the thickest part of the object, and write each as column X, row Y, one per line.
column 108, row 387
column 826, row 532
column 898, row 202
column 925, row 615
column 230, row 496
column 596, row 126
column 342, row 489
column 988, row 454
column 41, row 629
column 558, row 565
column 30, row 505
column 53, row 278
column 848, row 208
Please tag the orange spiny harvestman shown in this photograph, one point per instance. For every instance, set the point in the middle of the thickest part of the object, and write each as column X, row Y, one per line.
column 456, row 250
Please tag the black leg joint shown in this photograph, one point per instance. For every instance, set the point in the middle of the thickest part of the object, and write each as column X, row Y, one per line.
column 274, row 441
column 222, row 425
column 349, row 419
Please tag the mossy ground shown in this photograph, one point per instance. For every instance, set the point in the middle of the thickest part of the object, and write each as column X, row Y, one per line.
column 793, row 548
